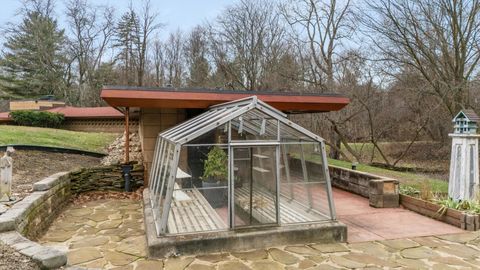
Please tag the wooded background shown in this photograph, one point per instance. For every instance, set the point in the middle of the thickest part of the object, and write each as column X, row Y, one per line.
column 408, row 66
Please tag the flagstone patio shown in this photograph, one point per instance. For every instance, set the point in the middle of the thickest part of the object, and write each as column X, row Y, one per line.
column 102, row 234
column 109, row 234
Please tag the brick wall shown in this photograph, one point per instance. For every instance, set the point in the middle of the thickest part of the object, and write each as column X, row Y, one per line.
column 99, row 125
column 152, row 122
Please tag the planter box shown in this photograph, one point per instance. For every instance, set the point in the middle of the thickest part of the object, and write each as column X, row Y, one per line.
column 465, row 221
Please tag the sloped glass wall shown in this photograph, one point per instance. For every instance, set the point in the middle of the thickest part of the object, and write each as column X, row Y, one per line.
column 241, row 165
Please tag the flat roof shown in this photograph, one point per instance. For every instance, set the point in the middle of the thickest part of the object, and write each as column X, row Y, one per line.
column 199, row 98
column 77, row 113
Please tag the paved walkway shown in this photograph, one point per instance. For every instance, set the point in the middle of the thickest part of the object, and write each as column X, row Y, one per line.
column 366, row 223
column 103, row 234
column 109, row 234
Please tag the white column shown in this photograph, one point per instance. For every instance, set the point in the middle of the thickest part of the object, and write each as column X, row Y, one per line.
column 464, row 175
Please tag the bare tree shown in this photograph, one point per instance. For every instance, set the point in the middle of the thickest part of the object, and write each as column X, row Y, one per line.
column 133, row 34
column 244, row 39
column 92, row 28
column 438, row 38
column 196, row 51
column 174, row 63
column 321, row 27
column 148, row 25
column 159, row 62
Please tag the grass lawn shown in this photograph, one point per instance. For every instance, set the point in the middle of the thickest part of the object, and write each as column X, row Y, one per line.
column 88, row 141
column 415, row 180
column 406, row 178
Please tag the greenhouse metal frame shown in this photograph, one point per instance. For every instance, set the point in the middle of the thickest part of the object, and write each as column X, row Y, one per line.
column 272, row 172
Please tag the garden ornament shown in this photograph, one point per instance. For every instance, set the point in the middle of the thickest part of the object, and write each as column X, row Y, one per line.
column 6, row 166
column 463, row 184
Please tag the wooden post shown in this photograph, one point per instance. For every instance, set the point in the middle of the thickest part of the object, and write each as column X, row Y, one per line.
column 127, row 135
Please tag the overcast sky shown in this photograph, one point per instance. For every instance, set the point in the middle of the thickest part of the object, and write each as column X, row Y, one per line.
column 183, row 14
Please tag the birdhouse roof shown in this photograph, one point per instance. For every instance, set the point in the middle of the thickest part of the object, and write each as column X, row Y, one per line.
column 469, row 114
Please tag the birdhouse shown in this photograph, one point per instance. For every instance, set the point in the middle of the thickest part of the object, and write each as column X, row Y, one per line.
column 465, row 122
column 464, row 179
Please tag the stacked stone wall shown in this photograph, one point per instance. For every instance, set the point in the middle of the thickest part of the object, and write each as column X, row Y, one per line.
column 104, row 178
column 28, row 219
column 382, row 192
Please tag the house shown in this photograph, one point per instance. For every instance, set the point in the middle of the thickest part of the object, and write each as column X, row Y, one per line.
column 42, row 103
column 90, row 119
column 162, row 108
column 229, row 170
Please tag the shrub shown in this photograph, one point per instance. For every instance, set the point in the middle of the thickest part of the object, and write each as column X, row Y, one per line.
column 215, row 167
column 37, row 118
column 409, row 190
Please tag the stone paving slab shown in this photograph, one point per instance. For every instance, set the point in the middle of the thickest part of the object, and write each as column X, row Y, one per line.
column 3, row 208
column 104, row 234
column 82, row 231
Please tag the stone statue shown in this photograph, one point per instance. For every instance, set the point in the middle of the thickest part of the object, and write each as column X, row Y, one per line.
column 6, row 166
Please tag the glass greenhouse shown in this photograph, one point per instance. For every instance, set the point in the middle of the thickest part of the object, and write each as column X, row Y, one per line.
column 241, row 164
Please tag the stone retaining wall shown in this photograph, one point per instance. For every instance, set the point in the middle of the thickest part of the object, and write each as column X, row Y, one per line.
column 35, row 212
column 32, row 215
column 104, row 178
column 382, row 192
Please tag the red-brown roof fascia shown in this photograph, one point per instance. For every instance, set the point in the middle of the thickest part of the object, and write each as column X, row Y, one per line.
column 161, row 98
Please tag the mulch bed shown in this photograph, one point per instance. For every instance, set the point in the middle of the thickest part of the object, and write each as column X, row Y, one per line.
column 32, row 166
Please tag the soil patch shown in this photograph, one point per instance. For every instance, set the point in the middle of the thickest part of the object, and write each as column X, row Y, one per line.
column 12, row 260
column 31, row 166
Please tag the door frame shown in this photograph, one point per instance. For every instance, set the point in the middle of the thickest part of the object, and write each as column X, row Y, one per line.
column 231, row 180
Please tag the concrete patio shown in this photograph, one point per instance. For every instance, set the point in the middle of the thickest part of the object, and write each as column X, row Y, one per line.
column 366, row 223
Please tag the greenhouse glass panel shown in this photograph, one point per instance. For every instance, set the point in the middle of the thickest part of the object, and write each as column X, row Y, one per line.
column 239, row 165
column 255, row 187
column 216, row 136
column 289, row 134
column 200, row 196
column 254, row 125
column 303, row 185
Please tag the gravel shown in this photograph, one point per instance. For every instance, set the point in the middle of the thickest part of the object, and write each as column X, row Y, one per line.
column 12, row 260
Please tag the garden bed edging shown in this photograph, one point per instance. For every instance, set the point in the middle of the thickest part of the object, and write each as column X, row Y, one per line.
column 28, row 218
column 462, row 220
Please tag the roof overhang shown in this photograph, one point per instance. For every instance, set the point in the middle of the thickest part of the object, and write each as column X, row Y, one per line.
column 119, row 96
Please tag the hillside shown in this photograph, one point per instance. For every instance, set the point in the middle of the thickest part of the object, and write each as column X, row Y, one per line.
column 88, row 141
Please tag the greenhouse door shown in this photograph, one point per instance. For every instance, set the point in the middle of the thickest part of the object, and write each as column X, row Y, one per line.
column 255, row 193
